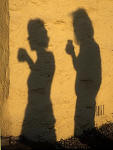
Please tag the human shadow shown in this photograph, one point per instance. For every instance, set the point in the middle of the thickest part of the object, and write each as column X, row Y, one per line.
column 88, row 68
column 39, row 121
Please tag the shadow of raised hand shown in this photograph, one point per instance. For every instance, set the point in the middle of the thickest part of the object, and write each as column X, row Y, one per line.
column 69, row 47
column 70, row 50
column 23, row 56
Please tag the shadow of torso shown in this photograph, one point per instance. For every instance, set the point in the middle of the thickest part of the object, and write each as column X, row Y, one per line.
column 88, row 80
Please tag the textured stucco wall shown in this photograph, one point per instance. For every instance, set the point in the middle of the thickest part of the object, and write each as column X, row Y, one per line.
column 4, row 62
column 31, row 111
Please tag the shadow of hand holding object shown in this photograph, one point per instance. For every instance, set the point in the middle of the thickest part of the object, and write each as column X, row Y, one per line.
column 39, row 121
column 70, row 51
column 88, row 67
column 23, row 56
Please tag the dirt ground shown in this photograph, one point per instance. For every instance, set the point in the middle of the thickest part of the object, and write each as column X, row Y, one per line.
column 96, row 138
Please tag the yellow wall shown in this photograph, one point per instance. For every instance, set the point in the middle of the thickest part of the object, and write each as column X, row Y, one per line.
column 4, row 63
column 57, row 15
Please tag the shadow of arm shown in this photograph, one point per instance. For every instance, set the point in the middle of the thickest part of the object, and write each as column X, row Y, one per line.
column 70, row 51
column 23, row 56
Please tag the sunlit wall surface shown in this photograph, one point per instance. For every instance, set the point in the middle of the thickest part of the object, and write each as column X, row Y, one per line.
column 61, row 67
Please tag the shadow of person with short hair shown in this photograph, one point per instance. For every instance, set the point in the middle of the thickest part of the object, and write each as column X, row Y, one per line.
column 39, row 121
column 88, row 67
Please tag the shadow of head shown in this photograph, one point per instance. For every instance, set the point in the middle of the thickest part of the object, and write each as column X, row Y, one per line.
column 82, row 25
column 37, row 34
